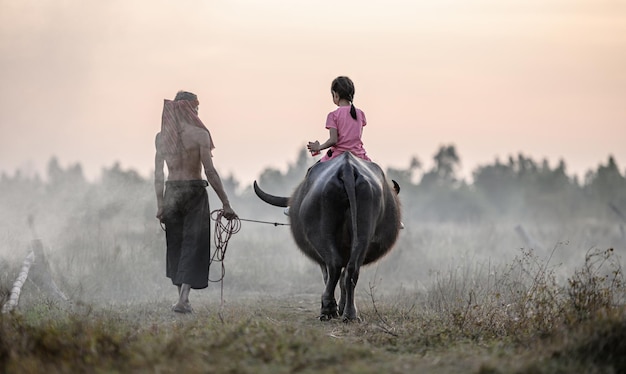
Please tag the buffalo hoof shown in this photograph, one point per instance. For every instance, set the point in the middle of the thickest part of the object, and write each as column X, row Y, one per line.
column 328, row 316
column 351, row 320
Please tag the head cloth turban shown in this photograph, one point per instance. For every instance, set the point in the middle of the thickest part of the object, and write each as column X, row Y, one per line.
column 177, row 113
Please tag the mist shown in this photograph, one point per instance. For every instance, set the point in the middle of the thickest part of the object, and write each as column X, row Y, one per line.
column 105, row 246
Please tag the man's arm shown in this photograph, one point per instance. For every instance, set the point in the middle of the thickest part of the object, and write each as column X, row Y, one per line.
column 212, row 176
column 159, row 177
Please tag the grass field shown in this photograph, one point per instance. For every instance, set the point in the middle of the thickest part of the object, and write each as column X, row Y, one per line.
column 450, row 298
column 264, row 334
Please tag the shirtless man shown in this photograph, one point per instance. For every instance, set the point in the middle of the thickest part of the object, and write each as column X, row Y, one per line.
column 185, row 145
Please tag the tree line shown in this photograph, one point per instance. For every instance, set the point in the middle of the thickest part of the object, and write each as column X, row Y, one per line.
column 518, row 188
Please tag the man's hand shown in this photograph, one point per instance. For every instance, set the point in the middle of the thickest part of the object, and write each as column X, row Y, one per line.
column 229, row 213
column 159, row 214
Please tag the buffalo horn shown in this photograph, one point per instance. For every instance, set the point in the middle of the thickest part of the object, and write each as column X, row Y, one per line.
column 270, row 199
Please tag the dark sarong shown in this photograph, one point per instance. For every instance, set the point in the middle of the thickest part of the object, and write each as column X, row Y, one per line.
column 187, row 232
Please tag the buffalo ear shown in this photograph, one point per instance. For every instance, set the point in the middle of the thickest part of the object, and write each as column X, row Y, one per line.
column 396, row 187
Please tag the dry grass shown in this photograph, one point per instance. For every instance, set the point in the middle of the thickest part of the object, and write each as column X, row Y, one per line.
column 450, row 298
column 500, row 319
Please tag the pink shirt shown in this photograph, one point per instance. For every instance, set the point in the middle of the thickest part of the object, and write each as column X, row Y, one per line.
column 349, row 132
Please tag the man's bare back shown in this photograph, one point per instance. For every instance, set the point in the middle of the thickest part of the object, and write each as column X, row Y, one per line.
column 187, row 165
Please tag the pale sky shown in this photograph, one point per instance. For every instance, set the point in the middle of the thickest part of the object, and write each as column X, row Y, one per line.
column 84, row 80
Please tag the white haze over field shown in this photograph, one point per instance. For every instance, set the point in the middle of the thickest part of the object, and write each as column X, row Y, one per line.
column 105, row 246
column 84, row 81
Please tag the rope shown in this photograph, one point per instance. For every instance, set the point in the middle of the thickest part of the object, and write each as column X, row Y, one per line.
column 243, row 219
column 269, row 223
column 221, row 236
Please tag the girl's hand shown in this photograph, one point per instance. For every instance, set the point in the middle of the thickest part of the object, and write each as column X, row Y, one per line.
column 314, row 146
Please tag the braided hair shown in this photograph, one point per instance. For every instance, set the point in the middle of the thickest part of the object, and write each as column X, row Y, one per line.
column 344, row 87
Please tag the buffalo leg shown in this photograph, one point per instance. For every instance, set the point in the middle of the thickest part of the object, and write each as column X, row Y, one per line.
column 350, row 279
column 342, row 298
column 324, row 273
column 364, row 231
column 351, row 276
column 329, row 304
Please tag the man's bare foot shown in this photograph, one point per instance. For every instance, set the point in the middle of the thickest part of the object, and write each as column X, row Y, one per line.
column 184, row 308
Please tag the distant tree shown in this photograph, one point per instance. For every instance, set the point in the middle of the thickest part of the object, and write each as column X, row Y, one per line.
column 59, row 178
column 20, row 190
column 556, row 179
column 274, row 181
column 526, row 167
column 297, row 171
column 115, row 176
column 231, row 184
column 607, row 182
column 443, row 173
column 498, row 183
column 405, row 177
column 55, row 173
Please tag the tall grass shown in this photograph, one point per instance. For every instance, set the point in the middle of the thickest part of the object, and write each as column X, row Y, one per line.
column 450, row 297
column 479, row 315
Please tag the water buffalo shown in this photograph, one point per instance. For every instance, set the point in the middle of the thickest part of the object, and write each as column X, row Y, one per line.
column 343, row 215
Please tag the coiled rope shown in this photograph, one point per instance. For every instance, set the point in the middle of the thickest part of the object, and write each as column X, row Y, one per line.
column 221, row 235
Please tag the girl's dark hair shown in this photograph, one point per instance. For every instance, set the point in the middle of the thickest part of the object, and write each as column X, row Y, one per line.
column 345, row 89
column 184, row 95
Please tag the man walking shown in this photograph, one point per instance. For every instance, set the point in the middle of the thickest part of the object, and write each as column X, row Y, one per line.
column 184, row 144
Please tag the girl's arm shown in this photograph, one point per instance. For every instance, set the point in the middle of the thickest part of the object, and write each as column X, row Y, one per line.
column 316, row 146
